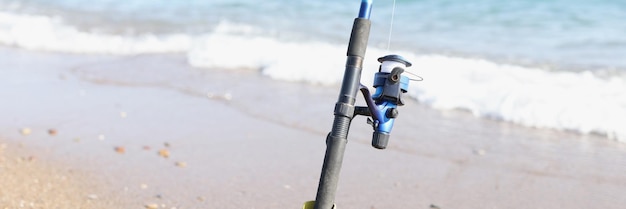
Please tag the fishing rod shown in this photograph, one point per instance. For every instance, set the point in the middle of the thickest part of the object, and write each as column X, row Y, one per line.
column 381, row 108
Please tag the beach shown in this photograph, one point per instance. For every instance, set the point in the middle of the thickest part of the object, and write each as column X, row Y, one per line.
column 150, row 131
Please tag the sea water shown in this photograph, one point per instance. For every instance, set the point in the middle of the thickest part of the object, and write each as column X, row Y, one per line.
column 558, row 64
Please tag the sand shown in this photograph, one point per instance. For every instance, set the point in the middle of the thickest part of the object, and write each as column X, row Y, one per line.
column 150, row 131
column 30, row 182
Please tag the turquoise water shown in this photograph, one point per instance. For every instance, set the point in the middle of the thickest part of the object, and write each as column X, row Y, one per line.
column 549, row 64
column 572, row 33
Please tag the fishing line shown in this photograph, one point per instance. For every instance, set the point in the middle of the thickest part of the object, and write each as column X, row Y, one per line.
column 417, row 77
column 393, row 11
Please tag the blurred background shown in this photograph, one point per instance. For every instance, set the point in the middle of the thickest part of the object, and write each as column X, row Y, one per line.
column 556, row 64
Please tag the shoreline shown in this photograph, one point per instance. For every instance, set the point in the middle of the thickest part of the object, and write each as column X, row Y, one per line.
column 247, row 141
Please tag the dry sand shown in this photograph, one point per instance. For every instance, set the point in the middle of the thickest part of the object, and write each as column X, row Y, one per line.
column 150, row 131
column 29, row 182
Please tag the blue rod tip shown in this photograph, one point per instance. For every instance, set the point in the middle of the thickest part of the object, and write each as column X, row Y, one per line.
column 366, row 9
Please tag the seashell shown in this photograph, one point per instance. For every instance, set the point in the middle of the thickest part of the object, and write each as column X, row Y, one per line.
column 52, row 132
column 152, row 206
column 25, row 131
column 181, row 164
column 164, row 153
column 120, row 149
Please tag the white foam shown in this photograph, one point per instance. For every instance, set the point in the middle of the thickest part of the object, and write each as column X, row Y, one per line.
column 578, row 102
column 45, row 33
column 310, row 62
column 303, row 62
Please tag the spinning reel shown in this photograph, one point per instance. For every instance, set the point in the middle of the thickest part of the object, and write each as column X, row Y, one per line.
column 390, row 85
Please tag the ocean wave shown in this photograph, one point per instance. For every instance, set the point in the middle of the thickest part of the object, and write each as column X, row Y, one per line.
column 303, row 62
column 573, row 101
column 43, row 33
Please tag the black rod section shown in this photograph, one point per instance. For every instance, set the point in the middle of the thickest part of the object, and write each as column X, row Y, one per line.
column 344, row 112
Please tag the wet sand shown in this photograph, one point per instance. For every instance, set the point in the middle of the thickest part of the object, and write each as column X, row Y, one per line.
column 150, row 131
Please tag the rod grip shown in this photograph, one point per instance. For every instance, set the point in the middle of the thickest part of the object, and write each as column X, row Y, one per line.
column 359, row 37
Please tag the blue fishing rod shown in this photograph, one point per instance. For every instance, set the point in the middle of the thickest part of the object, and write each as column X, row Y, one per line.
column 381, row 107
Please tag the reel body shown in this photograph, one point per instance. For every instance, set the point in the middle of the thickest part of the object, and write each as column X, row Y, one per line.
column 390, row 85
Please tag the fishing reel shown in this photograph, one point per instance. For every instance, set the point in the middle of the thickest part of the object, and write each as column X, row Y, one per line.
column 382, row 106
